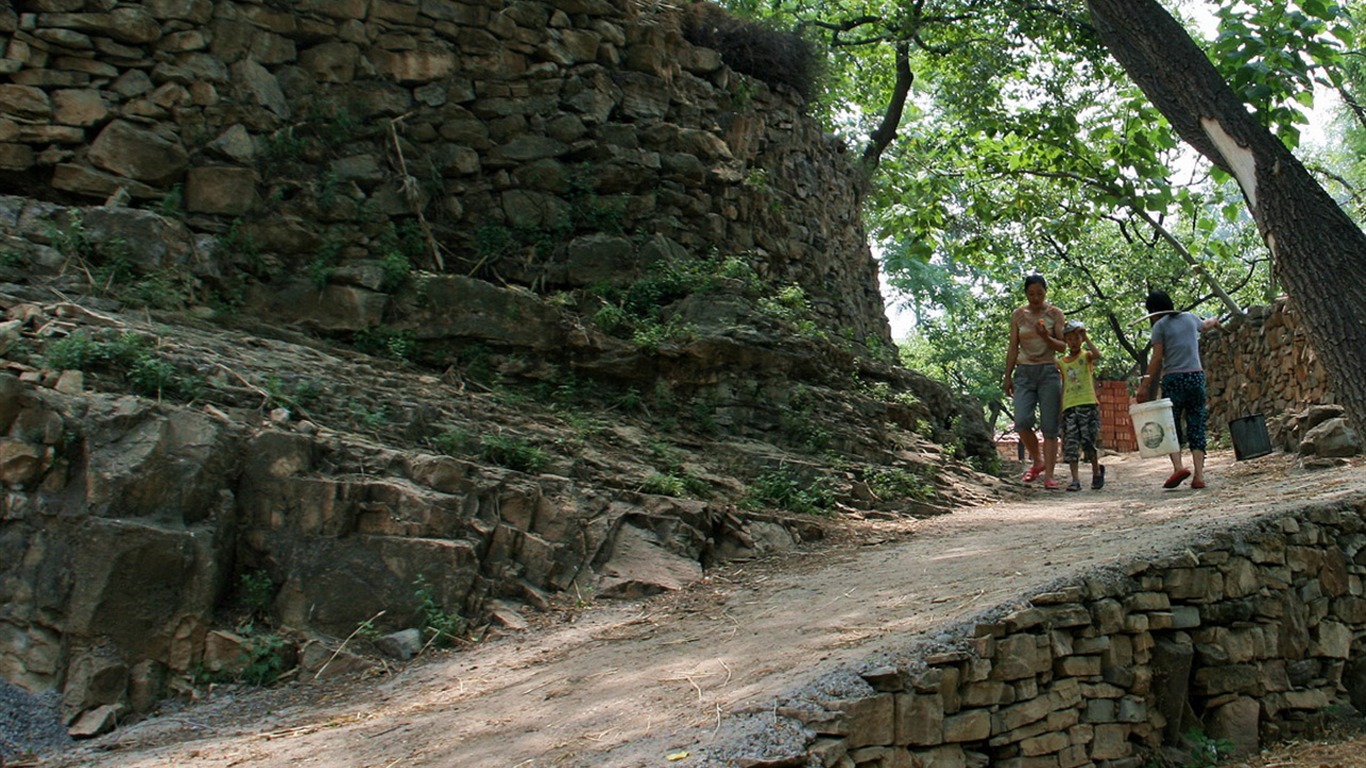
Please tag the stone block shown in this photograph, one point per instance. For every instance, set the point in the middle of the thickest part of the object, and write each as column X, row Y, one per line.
column 16, row 157
column 1231, row 678
column 1111, row 742
column 1066, row 693
column 95, row 722
column 1077, row 666
column 919, row 719
column 1023, row 713
column 1312, row 699
column 1061, row 644
column 1098, row 644
column 223, row 190
column 1042, row 761
column 1132, row 710
column 25, row 101
column 1071, row 757
column 973, row 725
column 1066, row 616
column 1238, row 722
column 1200, row 585
column 947, row 756
column 1240, row 578
column 1017, row 656
column 986, row 693
column 1023, row 620
column 137, row 153
column 1101, row 711
column 1062, row 719
column 1059, row 597
column 79, row 107
column 1185, row 617
column 1158, row 620
column 949, row 687
column 1045, row 744
column 1147, row 601
column 1331, row 639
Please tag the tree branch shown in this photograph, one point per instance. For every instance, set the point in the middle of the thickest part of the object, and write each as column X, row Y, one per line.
column 891, row 119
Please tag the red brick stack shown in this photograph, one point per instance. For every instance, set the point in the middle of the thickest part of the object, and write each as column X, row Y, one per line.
column 1116, row 428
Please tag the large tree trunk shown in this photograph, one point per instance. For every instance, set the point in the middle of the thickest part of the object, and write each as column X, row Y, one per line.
column 1319, row 253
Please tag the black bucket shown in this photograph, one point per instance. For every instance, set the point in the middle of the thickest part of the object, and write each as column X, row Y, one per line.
column 1250, row 439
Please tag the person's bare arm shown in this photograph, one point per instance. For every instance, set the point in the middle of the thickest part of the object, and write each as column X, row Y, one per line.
column 1092, row 353
column 1008, row 386
column 1153, row 378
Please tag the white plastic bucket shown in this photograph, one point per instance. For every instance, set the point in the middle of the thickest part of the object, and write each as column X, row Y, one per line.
column 1155, row 428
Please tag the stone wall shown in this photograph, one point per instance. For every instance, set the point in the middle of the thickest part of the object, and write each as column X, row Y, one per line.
column 1264, row 364
column 555, row 146
column 1250, row 637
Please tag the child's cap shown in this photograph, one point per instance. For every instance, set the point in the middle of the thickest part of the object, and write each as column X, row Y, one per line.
column 1074, row 325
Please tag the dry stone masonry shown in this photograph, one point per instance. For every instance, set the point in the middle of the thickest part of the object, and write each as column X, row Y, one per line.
column 298, row 136
column 1264, row 363
column 1252, row 636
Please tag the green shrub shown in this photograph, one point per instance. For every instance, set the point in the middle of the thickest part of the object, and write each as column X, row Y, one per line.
column 889, row 483
column 265, row 659
column 258, row 592
column 320, row 269
column 295, row 393
column 455, row 442
column 513, row 453
column 128, row 356
column 663, row 485
column 400, row 247
column 652, row 335
column 1206, row 752
column 787, row 490
column 681, row 484
column 75, row 352
column 172, row 204
column 387, row 342
column 432, row 615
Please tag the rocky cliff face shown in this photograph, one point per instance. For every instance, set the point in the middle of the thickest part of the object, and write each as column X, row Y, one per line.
column 346, row 319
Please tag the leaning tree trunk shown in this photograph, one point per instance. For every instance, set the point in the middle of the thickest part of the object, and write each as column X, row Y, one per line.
column 1318, row 253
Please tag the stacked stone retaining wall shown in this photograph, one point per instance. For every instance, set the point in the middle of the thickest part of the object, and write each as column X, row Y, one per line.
column 1263, row 364
column 1251, row 637
column 555, row 145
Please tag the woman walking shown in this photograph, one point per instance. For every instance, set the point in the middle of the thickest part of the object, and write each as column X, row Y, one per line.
column 1032, row 380
column 1176, row 356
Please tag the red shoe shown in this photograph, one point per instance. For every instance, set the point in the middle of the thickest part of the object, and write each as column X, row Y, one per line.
column 1178, row 477
column 1197, row 484
column 1051, row 485
column 1032, row 474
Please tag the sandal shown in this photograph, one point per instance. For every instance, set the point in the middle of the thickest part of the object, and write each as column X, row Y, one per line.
column 1032, row 474
column 1197, row 484
column 1177, row 477
column 1075, row 485
column 1051, row 485
column 1098, row 480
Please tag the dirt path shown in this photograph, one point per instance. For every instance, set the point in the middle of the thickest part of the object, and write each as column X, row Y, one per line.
column 624, row 684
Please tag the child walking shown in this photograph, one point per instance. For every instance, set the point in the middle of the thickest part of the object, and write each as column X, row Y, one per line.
column 1080, row 408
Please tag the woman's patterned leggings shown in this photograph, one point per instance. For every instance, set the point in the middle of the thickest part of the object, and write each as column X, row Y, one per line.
column 1187, row 393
